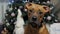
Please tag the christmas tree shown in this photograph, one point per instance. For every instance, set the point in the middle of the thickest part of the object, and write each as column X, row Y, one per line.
column 10, row 17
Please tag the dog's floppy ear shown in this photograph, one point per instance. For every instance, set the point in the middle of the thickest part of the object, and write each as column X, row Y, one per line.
column 28, row 6
column 47, row 9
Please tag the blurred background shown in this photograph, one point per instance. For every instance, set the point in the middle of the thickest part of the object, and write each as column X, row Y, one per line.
column 4, row 6
column 4, row 3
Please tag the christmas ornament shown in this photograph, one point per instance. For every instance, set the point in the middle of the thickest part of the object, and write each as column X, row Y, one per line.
column 12, row 14
column 49, row 18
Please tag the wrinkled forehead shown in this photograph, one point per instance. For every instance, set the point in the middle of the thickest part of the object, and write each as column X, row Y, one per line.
column 35, row 7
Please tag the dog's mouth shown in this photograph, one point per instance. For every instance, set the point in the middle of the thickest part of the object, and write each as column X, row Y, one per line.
column 35, row 24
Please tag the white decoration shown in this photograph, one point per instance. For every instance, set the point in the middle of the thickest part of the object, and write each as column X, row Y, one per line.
column 11, row 20
column 56, row 20
column 6, row 14
column 7, row 24
column 6, row 20
column 39, row 2
column 25, row 10
column 51, row 8
column 48, row 1
column 15, row 8
column 10, row 9
column 20, row 6
column 19, row 30
column 44, row 2
column 19, row 24
column 44, row 17
column 49, row 17
column 55, row 28
column 9, row 3
column 12, row 1
column 52, row 14
column 12, row 14
column 26, row 1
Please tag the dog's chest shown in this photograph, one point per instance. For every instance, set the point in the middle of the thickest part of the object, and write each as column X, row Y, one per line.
column 31, row 30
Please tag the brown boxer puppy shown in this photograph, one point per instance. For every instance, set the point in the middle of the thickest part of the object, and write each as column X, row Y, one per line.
column 35, row 19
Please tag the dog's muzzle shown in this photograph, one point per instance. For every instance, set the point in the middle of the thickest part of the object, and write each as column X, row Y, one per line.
column 34, row 25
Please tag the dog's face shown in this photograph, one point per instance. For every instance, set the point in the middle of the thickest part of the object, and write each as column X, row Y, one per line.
column 36, row 12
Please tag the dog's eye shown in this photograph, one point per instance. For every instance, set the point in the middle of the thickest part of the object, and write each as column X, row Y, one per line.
column 30, row 10
column 40, row 12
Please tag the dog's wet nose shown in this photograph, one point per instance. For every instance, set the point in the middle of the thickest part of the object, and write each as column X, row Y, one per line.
column 34, row 18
